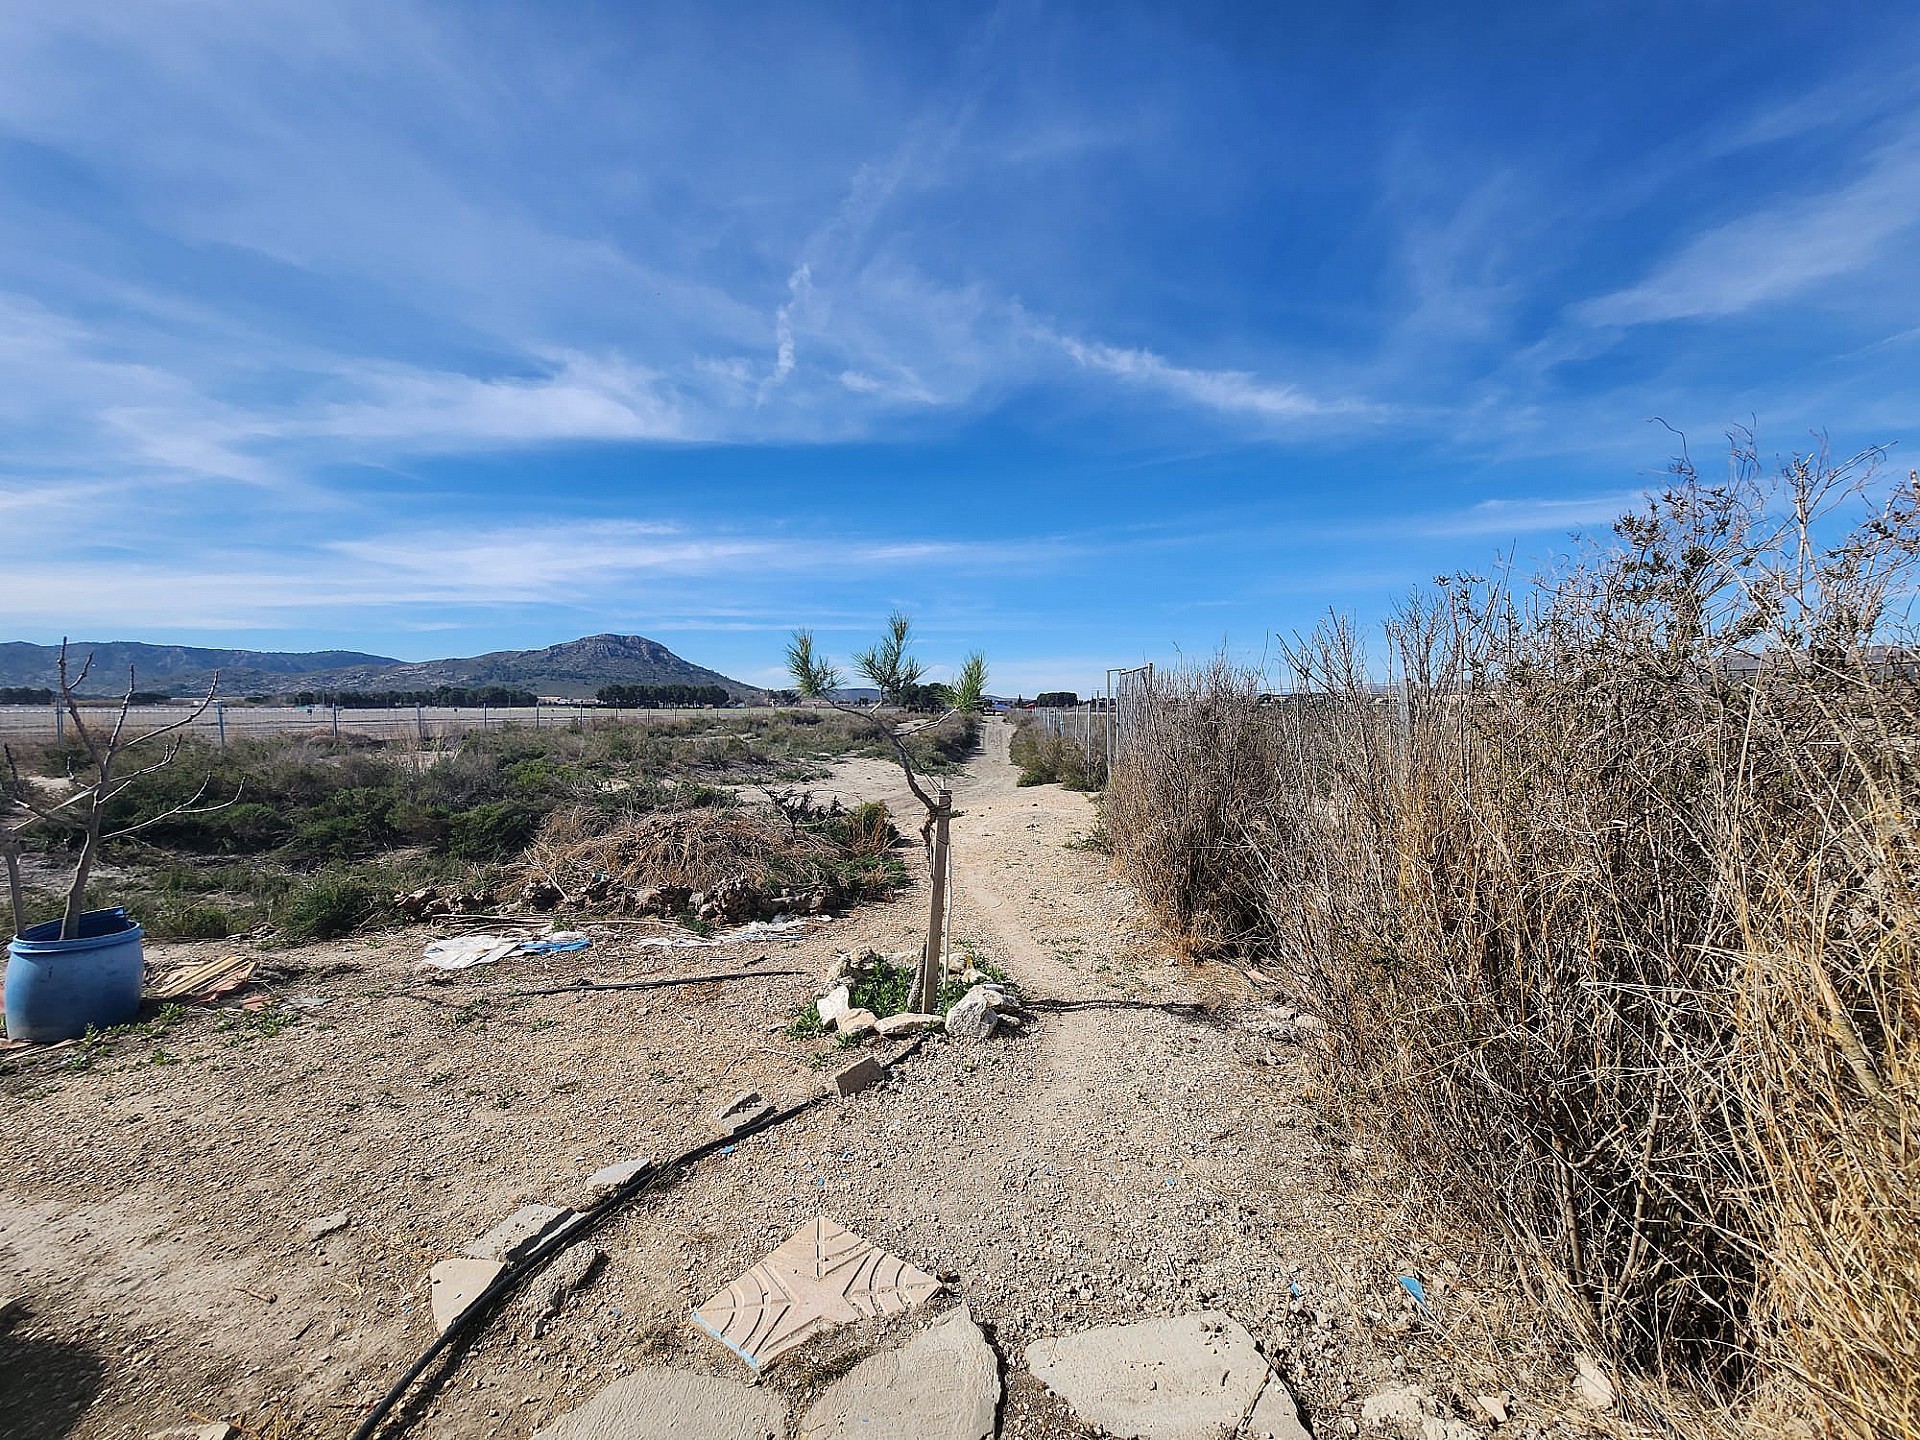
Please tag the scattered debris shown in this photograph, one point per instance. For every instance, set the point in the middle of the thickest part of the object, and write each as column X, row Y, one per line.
column 863, row 1074
column 907, row 1024
column 944, row 1384
column 823, row 1275
column 747, row 1108
column 464, row 951
column 656, row 1403
column 549, row 1289
column 1419, row 1293
column 794, row 929
column 583, row 985
column 456, row 1284
column 1185, row 1378
column 518, row 1234
column 429, row 903
column 197, row 984
column 556, row 941
column 327, row 1224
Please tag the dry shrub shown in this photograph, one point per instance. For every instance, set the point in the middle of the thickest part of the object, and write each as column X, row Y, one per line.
column 698, row 849
column 1610, row 896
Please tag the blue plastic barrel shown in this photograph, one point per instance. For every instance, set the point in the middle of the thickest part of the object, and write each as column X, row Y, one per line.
column 57, row 988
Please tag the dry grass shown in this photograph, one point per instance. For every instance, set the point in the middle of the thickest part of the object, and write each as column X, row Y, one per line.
column 1616, row 928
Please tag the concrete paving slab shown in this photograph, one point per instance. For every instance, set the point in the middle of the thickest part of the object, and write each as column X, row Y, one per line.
column 656, row 1403
column 1276, row 1415
column 456, row 1284
column 749, row 1107
column 863, row 1074
column 514, row 1236
column 1186, row 1378
column 944, row 1384
column 612, row 1177
column 823, row 1275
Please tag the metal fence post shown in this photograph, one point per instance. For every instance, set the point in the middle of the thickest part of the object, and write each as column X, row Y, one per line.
column 59, row 723
column 336, row 722
column 220, row 719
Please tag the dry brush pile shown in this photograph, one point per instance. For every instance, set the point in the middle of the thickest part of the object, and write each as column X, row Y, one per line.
column 726, row 863
column 1612, row 897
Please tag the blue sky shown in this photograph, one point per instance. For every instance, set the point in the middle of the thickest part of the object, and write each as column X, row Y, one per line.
column 1085, row 334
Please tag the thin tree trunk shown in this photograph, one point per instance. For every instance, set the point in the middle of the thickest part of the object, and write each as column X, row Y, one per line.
column 82, row 870
column 16, row 890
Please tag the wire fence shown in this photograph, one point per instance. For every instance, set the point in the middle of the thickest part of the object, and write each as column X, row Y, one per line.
column 419, row 723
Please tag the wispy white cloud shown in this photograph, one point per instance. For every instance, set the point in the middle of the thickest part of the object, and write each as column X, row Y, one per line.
column 1777, row 252
column 1233, row 392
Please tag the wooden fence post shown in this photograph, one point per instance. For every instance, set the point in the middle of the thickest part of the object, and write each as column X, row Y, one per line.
column 932, row 963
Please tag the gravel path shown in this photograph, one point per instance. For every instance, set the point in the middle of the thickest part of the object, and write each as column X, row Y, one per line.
column 1142, row 1150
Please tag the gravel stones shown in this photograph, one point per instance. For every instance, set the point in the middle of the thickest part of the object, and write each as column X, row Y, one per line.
column 944, row 1384
column 656, row 1403
column 1185, row 1378
column 548, row 1290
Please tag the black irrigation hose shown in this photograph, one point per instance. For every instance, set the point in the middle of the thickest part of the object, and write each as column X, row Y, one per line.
column 522, row 1270
column 581, row 986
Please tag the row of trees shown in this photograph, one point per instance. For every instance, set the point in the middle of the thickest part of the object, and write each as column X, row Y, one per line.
column 446, row 696
column 663, row 697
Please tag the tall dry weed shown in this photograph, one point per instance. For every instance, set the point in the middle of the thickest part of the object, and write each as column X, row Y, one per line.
column 1608, row 883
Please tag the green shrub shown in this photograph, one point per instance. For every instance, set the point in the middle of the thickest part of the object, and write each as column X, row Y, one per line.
column 331, row 904
column 497, row 831
column 196, row 920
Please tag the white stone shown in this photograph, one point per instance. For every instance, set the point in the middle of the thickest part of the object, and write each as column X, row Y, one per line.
column 832, row 1005
column 1185, row 1378
column 327, row 1224
column 655, row 1403
column 944, row 1384
column 1276, row 1415
column 856, row 1022
column 520, row 1232
column 456, row 1284
column 907, row 1024
column 1592, row 1383
column 973, row 1016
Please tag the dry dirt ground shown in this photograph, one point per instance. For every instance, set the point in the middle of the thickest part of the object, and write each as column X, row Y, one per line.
column 1141, row 1150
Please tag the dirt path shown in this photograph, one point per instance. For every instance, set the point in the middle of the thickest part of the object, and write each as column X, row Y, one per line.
column 1140, row 1151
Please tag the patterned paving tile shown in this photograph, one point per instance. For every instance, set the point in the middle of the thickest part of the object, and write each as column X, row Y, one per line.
column 823, row 1275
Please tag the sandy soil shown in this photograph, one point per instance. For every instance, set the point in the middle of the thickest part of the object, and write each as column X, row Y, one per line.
column 1142, row 1150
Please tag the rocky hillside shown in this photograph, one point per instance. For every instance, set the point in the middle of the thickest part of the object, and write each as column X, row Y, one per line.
column 180, row 668
column 576, row 668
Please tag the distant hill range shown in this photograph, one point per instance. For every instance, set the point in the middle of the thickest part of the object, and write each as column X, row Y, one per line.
column 577, row 668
